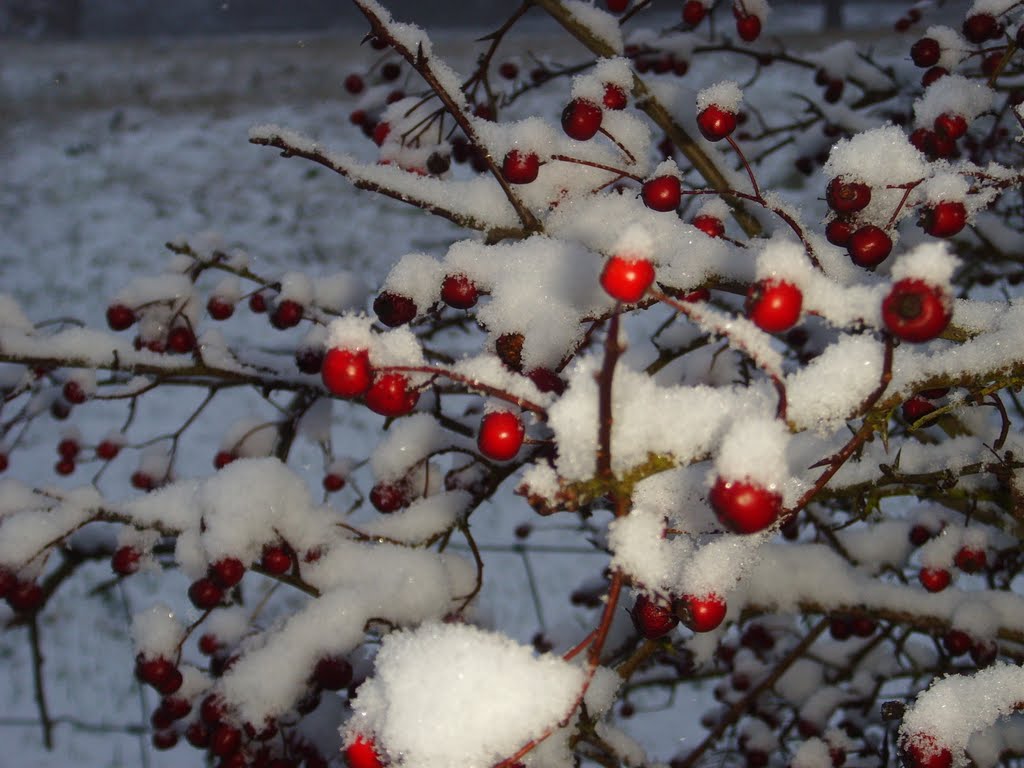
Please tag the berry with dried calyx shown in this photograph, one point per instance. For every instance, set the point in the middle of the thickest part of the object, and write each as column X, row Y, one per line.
column 520, row 167
column 653, row 618
column 701, row 613
column 916, row 311
column 459, row 292
column 847, row 196
column 393, row 309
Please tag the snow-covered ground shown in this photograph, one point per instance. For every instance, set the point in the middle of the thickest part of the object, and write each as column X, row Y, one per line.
column 109, row 151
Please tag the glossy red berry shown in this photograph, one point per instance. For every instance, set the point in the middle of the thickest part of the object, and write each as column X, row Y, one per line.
column 362, row 753
column 354, row 84
column 926, row 52
column 389, row 497
column 951, row 125
column 916, row 408
column 332, row 673
column 662, row 193
column 916, row 311
column 390, row 395
column 701, row 613
column 712, row 226
column 120, row 317
column 500, row 436
column 25, row 597
column 979, row 27
column 748, row 27
column 944, row 219
column 346, row 372
column 181, row 340
column 287, row 314
column 205, row 594
column 838, row 232
column 716, row 123
column 333, row 482
column 220, row 308
column 970, row 559
column 581, row 119
column 869, row 246
column 693, row 12
column 744, row 507
column 627, row 280
column 393, row 309
column 934, row 579
column 922, row 750
column 276, row 560
column 653, row 618
column 107, row 450
column 125, row 560
column 227, row 572
column 614, row 97
column 459, row 292
column 847, row 196
column 774, row 305
column 520, row 167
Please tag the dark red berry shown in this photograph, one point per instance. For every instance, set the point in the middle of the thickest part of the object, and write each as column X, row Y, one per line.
column 258, row 302
column 25, row 597
column 125, row 560
column 380, row 132
column 951, row 125
column 459, row 292
column 693, row 12
column 225, row 740
column 393, row 309
column 712, row 226
column 520, row 167
column 614, row 97
column 205, row 594
column 508, row 70
column 970, row 559
column 581, row 119
column 354, row 84
column 181, row 340
column 979, row 27
column 617, row 6
column 934, row 579
column 65, row 467
column 932, row 75
column 389, row 497
column 748, row 27
column 916, row 408
column 919, row 534
column 143, row 480
column 926, row 52
column 838, row 232
column 73, row 392
column 332, row 673
column 276, row 560
column 220, row 308
column 198, row 735
column 120, row 317
column 227, row 571
column 333, row 482
column 916, row 311
column 223, row 458
column 716, row 123
column 653, row 618
column 68, row 448
column 922, row 750
column 309, row 360
column 209, row 644
column 662, row 193
column 957, row 642
column 869, row 246
column 287, row 314
column 944, row 219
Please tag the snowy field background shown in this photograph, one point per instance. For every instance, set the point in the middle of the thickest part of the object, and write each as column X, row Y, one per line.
column 109, row 150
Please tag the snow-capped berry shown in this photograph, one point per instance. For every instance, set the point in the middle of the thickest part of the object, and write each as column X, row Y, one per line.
column 181, row 340
column 653, row 618
column 500, row 436
column 926, row 52
column 459, row 292
column 701, row 613
column 205, row 594
column 390, row 395
column 120, row 317
column 743, row 506
column 346, row 372
column 287, row 314
column 219, row 308
column 838, row 232
column 869, row 246
column 125, row 560
column 393, row 309
column 614, row 97
column 932, row 75
column 362, row 753
column 275, row 560
column 73, row 392
column 227, row 572
column 944, row 219
column 581, row 119
column 979, row 27
column 934, row 579
column 716, row 123
column 225, row 740
column 627, row 280
column 774, row 305
column 916, row 311
column 389, row 497
column 748, row 27
column 970, row 559
column 951, row 125
column 332, row 673
column 520, row 167
column 333, row 483
column 922, row 750
column 847, row 196
column 662, row 193
column 956, row 642
column 712, row 226
column 693, row 12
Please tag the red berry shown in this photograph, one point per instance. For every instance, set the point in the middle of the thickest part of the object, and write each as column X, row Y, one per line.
column 212, row 710
column 73, row 392
column 276, row 560
column 847, row 196
column 287, row 314
column 227, row 571
column 693, row 12
column 258, row 302
column 346, row 372
column 225, row 740
column 926, row 52
column 970, row 559
column 716, row 123
column 120, row 317
column 944, row 219
column 984, row 652
column 869, row 246
column 354, row 84
column 389, row 497
column 547, row 380
column 176, row 707
column 508, row 70
column 393, row 309
column 919, row 534
column 916, row 311
column 581, row 119
column 932, row 75
column 198, row 735
column 60, row 409
column 614, row 97
column 916, row 408
column 617, row 6
column 164, row 739
column 921, row 750
column 380, row 132
column 520, row 167
column 65, row 467
column 209, row 644
column 205, row 594
column 501, row 435
column 459, row 292
column 154, row 672
column 309, row 360
column 712, row 226
column 390, row 395
column 701, row 614
column 653, row 618
column 68, row 448
column 951, row 125
column 143, row 480
column 841, row 628
column 223, row 458
column 333, row 483
column 979, row 27
column 25, row 597
column 934, row 579
column 362, row 753
column 838, row 232
column 863, row 626
column 220, row 308
column 662, row 193
column 125, row 560
column 181, row 340
column 4, row 463
column 774, row 305
column 332, row 673
column 391, row 71
column 627, row 280
column 748, row 27
column 744, row 507
column 957, row 642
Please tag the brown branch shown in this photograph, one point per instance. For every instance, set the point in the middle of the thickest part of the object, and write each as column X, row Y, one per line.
column 38, row 683
column 612, row 350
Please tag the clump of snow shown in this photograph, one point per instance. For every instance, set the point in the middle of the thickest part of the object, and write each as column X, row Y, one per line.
column 156, row 631
column 813, row 753
column 726, row 95
column 955, row 94
column 639, row 548
column 931, row 262
column 600, row 24
column 754, row 449
column 879, row 157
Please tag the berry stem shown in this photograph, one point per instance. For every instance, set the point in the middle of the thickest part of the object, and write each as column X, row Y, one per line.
column 612, row 169
column 620, row 145
column 471, row 383
column 749, row 170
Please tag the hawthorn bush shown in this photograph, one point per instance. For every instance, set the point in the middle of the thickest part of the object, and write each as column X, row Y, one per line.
column 753, row 339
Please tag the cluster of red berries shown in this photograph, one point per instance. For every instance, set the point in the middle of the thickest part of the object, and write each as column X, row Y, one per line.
column 179, row 338
column 347, row 373
column 922, row 404
column 655, row 617
column 24, row 596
